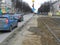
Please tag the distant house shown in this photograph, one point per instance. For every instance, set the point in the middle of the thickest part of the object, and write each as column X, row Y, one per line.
column 6, row 5
column 55, row 6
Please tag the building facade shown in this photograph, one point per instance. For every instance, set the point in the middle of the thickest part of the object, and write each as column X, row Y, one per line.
column 6, row 6
column 56, row 6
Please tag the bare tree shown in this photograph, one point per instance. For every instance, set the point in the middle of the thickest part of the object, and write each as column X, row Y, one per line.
column 22, row 6
column 44, row 7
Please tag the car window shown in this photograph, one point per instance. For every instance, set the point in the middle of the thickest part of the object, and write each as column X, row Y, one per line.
column 11, row 18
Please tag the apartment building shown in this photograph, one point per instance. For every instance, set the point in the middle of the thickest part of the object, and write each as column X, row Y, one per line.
column 56, row 6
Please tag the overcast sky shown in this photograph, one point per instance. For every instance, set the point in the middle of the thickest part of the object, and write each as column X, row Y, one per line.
column 37, row 3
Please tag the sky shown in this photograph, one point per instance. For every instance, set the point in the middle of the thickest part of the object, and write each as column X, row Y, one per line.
column 37, row 3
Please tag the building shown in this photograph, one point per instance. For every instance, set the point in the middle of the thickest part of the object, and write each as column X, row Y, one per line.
column 55, row 6
column 6, row 5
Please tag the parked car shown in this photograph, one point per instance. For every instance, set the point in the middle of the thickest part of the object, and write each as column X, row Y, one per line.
column 7, row 22
column 18, row 17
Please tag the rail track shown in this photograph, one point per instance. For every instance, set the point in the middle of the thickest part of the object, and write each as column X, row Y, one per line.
column 53, row 26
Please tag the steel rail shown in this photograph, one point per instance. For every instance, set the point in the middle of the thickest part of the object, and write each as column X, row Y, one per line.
column 58, row 40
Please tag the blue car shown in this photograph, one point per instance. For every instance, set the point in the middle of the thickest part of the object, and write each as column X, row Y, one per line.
column 7, row 23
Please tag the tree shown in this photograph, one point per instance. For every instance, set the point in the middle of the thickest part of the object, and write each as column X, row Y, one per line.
column 26, row 7
column 44, row 7
column 22, row 6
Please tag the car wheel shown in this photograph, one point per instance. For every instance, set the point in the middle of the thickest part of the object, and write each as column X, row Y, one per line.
column 16, row 25
column 18, row 20
column 21, row 19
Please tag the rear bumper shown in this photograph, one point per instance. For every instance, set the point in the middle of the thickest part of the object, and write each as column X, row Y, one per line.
column 4, row 28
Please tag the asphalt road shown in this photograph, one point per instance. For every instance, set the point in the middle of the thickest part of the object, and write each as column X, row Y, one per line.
column 3, row 36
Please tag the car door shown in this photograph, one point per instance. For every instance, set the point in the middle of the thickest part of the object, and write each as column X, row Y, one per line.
column 11, row 21
column 15, row 21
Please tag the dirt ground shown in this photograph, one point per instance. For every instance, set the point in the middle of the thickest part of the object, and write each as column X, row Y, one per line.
column 39, row 35
column 33, row 38
column 32, row 35
column 47, row 37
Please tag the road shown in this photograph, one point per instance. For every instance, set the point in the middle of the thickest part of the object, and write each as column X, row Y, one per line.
column 3, row 36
